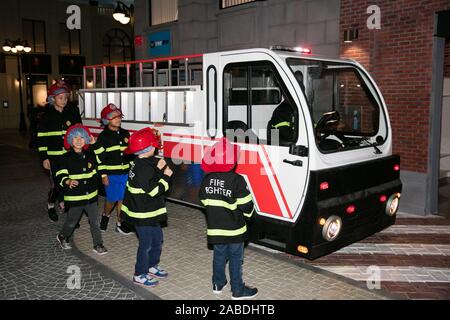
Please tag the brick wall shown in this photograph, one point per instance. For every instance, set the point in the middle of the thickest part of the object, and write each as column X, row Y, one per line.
column 399, row 57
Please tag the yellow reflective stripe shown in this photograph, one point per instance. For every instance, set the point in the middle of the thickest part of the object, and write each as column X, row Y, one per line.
column 118, row 167
column 142, row 191
column 244, row 200
column 164, row 183
column 62, row 181
column 135, row 190
column 99, row 150
column 42, row 149
column 227, row 233
column 56, row 153
column 114, row 148
column 219, row 203
column 83, row 175
column 98, row 159
column 51, row 133
column 62, row 171
column 79, row 198
column 154, row 191
column 282, row 124
column 143, row 215
column 248, row 215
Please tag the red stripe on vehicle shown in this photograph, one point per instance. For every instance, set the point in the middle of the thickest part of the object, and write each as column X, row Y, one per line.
column 276, row 181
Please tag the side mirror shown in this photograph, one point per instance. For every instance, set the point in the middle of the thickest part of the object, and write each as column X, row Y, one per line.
column 300, row 151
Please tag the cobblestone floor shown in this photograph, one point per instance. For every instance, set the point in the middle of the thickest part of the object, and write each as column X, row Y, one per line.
column 186, row 257
column 32, row 265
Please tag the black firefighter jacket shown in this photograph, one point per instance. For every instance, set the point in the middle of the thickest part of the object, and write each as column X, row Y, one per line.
column 144, row 203
column 109, row 150
column 228, row 203
column 83, row 168
column 52, row 128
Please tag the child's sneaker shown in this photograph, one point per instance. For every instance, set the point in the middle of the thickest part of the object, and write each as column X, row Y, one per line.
column 145, row 280
column 157, row 272
column 217, row 289
column 246, row 293
column 63, row 243
column 100, row 249
column 104, row 223
column 123, row 229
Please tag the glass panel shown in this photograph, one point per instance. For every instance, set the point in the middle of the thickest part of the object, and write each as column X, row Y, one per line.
column 27, row 28
column 212, row 105
column 63, row 39
column 343, row 104
column 232, row 3
column 39, row 33
column 75, row 41
column 163, row 11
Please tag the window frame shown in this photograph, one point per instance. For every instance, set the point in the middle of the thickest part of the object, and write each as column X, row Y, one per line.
column 284, row 90
column 32, row 42
column 150, row 20
column 68, row 33
column 222, row 7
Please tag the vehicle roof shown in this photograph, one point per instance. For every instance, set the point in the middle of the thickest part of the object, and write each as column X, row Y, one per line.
column 289, row 54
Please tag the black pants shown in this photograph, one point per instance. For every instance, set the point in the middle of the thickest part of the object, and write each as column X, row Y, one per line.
column 55, row 194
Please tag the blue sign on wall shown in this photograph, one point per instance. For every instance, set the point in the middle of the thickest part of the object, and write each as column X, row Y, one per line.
column 159, row 43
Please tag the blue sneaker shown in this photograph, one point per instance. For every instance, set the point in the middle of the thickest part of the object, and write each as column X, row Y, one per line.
column 245, row 293
column 217, row 289
column 145, row 280
column 157, row 272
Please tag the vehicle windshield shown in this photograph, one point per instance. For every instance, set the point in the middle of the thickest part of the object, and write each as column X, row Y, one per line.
column 344, row 106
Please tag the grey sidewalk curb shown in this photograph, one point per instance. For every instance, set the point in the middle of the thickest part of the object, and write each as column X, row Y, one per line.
column 327, row 273
column 110, row 273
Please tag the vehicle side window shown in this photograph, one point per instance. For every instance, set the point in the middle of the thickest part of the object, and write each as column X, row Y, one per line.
column 255, row 105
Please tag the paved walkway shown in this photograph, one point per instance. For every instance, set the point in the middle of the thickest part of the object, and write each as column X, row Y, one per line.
column 32, row 265
column 187, row 259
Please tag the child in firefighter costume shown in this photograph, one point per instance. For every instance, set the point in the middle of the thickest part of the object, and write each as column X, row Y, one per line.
column 113, row 164
column 144, row 205
column 50, row 138
column 77, row 174
column 228, row 203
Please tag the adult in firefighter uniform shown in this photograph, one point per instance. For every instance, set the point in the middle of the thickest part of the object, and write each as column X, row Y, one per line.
column 228, row 203
column 113, row 164
column 144, row 205
column 50, row 138
column 282, row 122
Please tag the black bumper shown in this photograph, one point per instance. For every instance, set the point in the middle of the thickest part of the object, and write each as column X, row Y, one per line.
column 360, row 185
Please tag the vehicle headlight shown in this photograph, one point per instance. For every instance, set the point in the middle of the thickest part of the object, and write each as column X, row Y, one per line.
column 392, row 204
column 332, row 228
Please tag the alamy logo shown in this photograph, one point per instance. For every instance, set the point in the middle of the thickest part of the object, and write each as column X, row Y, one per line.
column 374, row 20
column 74, row 280
column 374, row 278
column 74, row 20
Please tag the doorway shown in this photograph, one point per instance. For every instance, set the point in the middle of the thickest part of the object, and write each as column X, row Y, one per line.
column 36, row 97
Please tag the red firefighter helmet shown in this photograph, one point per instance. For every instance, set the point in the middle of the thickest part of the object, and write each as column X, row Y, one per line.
column 57, row 88
column 221, row 157
column 142, row 139
column 107, row 111
column 76, row 129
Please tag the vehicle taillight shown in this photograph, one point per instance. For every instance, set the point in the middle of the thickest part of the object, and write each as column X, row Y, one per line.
column 350, row 209
column 324, row 186
column 397, row 167
column 383, row 198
